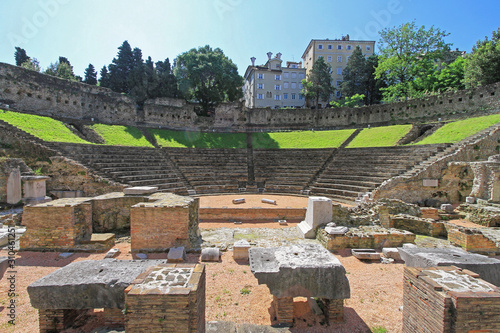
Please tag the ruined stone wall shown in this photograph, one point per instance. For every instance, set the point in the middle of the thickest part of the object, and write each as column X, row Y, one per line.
column 32, row 92
column 418, row 226
column 472, row 240
column 111, row 212
column 454, row 175
column 251, row 214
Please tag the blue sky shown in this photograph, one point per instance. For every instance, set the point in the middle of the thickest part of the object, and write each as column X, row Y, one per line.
column 90, row 31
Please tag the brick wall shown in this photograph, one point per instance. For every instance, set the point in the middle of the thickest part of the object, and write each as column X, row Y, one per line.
column 60, row 224
column 419, row 226
column 251, row 214
column 360, row 240
column 112, row 211
column 472, row 240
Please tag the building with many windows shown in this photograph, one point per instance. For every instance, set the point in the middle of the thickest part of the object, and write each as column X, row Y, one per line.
column 272, row 85
column 336, row 53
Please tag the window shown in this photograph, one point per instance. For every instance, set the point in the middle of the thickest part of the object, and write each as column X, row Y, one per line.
column 277, row 97
column 339, row 58
column 277, row 77
column 320, row 47
column 302, row 76
column 368, row 47
column 301, row 96
column 285, row 75
column 329, row 58
column 330, row 46
column 260, row 96
column 349, row 47
column 269, row 94
column 260, row 85
column 285, row 96
column 300, row 85
column 293, row 66
column 294, row 75
column 277, row 87
column 294, row 96
column 294, row 85
column 338, row 83
column 339, row 47
column 260, row 76
column 285, row 85
column 339, row 70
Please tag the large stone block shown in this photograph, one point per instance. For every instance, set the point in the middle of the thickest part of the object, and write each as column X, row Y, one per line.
column 92, row 284
column 14, row 187
column 307, row 270
column 34, row 189
column 487, row 268
column 319, row 211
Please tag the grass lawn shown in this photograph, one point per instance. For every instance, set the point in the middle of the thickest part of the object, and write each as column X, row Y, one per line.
column 385, row 136
column 116, row 135
column 45, row 128
column 191, row 139
column 459, row 130
column 302, row 139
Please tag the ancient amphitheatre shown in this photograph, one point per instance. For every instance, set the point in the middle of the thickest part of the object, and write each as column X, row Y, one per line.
column 90, row 175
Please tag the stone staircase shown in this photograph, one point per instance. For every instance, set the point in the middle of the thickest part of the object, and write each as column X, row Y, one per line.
column 354, row 171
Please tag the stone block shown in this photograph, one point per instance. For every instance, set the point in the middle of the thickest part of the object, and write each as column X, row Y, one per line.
column 365, row 254
column 447, row 208
column 430, row 182
column 140, row 190
column 142, row 256
column 4, row 265
column 14, row 194
column 177, row 254
column 112, row 253
column 269, row 201
column 430, row 213
column 319, row 211
column 210, row 254
column 294, row 270
column 240, row 250
column 65, row 255
column 92, row 284
column 391, row 252
column 470, row 200
column 336, row 230
column 239, row 201
column 34, row 189
column 409, row 246
column 487, row 268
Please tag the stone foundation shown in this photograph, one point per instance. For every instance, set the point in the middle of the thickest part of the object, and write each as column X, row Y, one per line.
column 112, row 211
column 420, row 226
column 448, row 299
column 488, row 216
column 334, row 310
column 473, row 240
column 167, row 298
column 283, row 307
column 251, row 214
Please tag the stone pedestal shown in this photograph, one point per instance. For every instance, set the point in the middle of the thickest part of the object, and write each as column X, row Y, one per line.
column 240, row 250
column 319, row 211
column 34, row 189
column 14, row 187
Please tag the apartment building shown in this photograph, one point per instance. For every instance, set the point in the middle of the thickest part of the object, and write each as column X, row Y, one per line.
column 336, row 53
column 272, row 85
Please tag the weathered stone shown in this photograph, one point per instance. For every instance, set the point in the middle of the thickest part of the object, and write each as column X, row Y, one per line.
column 239, row 201
column 65, row 255
column 307, row 270
column 319, row 211
column 391, row 252
column 210, row 254
column 14, row 187
column 269, row 201
column 430, row 182
column 34, row 189
column 4, row 265
column 447, row 208
column 240, row 250
column 176, row 254
column 365, row 254
column 336, row 230
column 487, row 268
column 470, row 200
column 142, row 256
column 92, row 284
column 112, row 253
column 140, row 190
column 409, row 246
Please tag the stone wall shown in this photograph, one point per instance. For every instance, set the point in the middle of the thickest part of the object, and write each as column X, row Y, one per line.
column 453, row 173
column 251, row 214
column 111, row 212
column 32, row 92
column 420, row 226
column 473, row 241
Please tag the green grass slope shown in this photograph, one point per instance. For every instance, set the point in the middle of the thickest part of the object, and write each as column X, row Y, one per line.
column 45, row 128
column 116, row 135
column 385, row 136
column 192, row 139
column 459, row 130
column 301, row 140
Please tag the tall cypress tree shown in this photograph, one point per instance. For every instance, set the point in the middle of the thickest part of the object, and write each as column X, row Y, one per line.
column 20, row 56
column 104, row 77
column 120, row 69
column 90, row 75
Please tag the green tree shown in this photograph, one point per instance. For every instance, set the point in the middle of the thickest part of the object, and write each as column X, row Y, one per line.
column 208, row 76
column 120, row 68
column 62, row 69
column 167, row 82
column 483, row 65
column 90, row 75
column 408, row 52
column 353, row 101
column 104, row 77
column 32, row 64
column 137, row 79
column 318, row 85
column 20, row 56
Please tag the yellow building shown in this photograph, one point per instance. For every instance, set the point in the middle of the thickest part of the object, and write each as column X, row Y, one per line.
column 336, row 53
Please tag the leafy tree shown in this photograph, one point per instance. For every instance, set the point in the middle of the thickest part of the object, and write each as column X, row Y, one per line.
column 408, row 52
column 483, row 65
column 32, row 64
column 353, row 101
column 104, row 77
column 167, row 82
column 373, row 85
column 319, row 82
column 120, row 68
column 20, row 56
column 62, row 69
column 208, row 76
column 137, row 79
column 90, row 75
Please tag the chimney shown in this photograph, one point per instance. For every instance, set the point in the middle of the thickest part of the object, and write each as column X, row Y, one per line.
column 253, row 61
column 269, row 55
column 278, row 55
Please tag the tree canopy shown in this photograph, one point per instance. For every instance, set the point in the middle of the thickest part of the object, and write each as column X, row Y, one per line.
column 62, row 69
column 318, row 84
column 408, row 52
column 208, row 76
column 483, row 65
column 20, row 56
column 90, row 75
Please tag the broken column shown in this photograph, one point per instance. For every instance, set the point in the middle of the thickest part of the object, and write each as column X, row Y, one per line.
column 306, row 270
column 10, row 180
column 319, row 211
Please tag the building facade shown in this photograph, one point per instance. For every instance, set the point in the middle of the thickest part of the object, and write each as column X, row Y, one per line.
column 272, row 85
column 336, row 53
